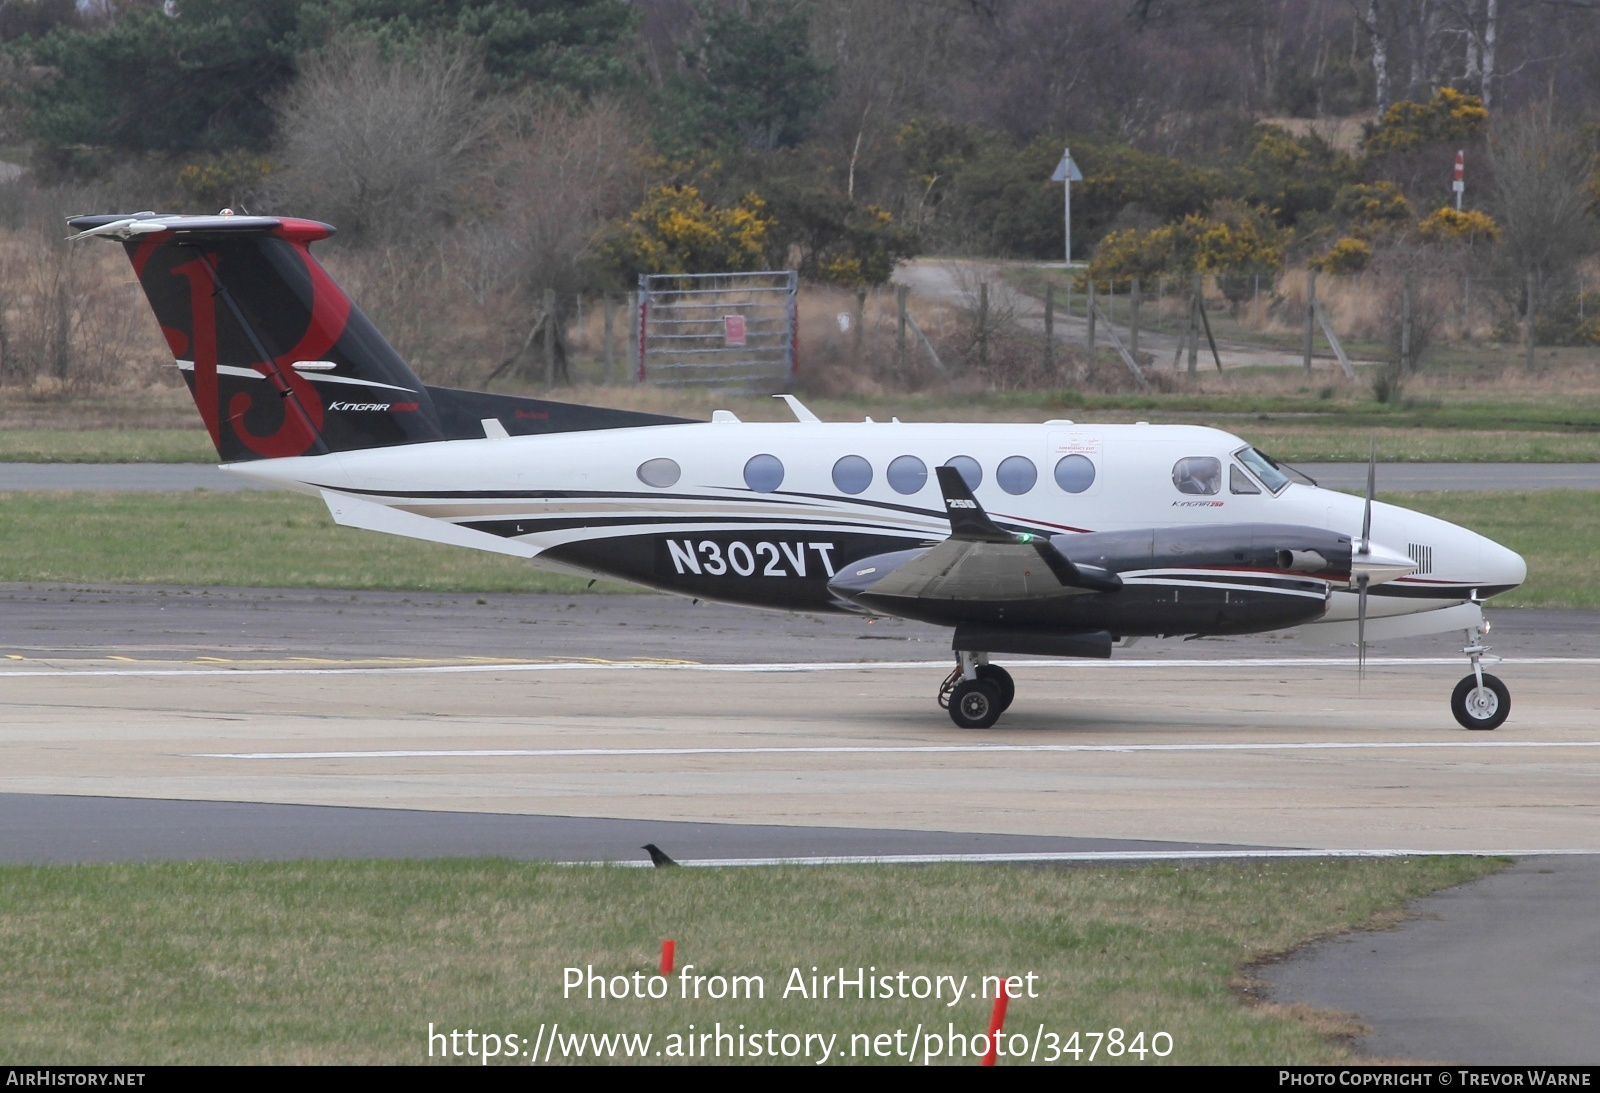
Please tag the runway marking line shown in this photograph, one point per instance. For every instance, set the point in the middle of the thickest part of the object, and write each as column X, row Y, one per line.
column 799, row 666
column 1085, row 856
column 893, row 749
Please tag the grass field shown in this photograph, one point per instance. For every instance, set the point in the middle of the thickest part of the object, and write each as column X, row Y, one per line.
column 1555, row 530
column 1552, row 418
column 280, row 540
column 349, row 962
column 255, row 539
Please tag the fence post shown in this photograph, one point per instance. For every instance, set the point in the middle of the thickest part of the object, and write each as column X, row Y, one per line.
column 611, row 347
column 1135, row 299
column 900, row 292
column 1528, row 335
column 1091, row 320
column 549, row 337
column 637, row 317
column 861, row 321
column 1311, row 313
column 1194, row 325
column 983, row 323
column 1405, row 325
column 1049, row 328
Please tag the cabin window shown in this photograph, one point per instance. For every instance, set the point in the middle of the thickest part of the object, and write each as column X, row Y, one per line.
column 659, row 473
column 1239, row 482
column 1075, row 473
column 969, row 469
column 1198, row 474
column 852, row 474
column 763, row 473
column 1016, row 474
column 907, row 474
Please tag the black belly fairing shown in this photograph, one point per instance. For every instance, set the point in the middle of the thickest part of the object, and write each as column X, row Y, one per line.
column 790, row 570
column 780, row 569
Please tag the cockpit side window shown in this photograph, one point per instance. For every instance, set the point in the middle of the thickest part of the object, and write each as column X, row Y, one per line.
column 1265, row 468
column 1198, row 474
column 1239, row 482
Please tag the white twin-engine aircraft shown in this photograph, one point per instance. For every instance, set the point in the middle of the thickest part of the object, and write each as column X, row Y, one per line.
column 1058, row 539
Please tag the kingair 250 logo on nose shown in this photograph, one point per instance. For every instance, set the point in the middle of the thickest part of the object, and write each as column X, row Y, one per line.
column 723, row 557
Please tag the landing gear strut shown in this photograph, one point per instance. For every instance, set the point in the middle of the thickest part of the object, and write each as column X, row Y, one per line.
column 1480, row 700
column 976, row 693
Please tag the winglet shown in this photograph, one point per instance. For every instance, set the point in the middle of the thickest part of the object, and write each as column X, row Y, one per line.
column 968, row 522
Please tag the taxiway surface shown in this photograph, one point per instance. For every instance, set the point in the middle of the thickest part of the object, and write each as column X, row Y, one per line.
column 650, row 708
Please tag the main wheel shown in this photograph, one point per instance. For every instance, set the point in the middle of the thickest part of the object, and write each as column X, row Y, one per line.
column 1483, row 707
column 1002, row 682
column 975, row 704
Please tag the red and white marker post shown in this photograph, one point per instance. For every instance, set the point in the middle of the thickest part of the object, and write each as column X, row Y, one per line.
column 1460, row 183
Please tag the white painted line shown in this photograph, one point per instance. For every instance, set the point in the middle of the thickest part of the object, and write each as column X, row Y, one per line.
column 892, row 749
column 1091, row 856
column 843, row 666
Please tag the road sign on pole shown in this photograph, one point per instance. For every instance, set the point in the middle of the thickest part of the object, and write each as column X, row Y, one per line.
column 1067, row 173
column 1460, row 185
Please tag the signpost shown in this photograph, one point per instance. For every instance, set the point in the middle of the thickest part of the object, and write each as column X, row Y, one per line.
column 1067, row 173
column 1460, row 185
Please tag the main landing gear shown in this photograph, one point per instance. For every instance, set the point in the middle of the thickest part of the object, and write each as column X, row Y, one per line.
column 976, row 693
column 1480, row 700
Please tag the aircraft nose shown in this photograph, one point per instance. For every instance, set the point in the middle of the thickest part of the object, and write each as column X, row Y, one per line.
column 1504, row 567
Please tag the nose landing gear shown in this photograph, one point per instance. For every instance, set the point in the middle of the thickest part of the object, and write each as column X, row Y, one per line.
column 1480, row 700
column 976, row 693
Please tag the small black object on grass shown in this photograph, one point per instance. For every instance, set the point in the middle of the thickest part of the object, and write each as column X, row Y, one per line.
column 658, row 856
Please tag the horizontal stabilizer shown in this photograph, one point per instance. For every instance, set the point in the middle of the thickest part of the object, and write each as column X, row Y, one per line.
column 352, row 512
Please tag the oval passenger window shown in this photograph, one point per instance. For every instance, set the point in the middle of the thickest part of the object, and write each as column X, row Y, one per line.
column 852, row 474
column 907, row 474
column 659, row 473
column 764, row 473
column 1075, row 473
column 969, row 470
column 1016, row 474
column 1198, row 474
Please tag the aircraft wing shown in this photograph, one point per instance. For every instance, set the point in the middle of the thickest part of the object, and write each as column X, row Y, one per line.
column 980, row 561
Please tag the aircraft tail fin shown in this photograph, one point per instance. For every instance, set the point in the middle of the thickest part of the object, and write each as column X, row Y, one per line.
column 278, row 359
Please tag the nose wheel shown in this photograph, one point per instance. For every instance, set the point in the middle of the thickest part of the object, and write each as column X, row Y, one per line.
column 977, row 692
column 1480, row 700
column 1481, row 705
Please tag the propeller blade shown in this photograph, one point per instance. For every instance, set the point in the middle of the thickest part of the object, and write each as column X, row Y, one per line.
column 1372, row 488
column 1361, row 627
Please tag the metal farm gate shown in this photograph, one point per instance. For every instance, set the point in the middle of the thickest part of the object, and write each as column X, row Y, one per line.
column 735, row 331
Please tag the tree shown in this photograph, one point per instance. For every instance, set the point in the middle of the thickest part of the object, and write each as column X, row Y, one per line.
column 197, row 79
column 396, row 137
column 753, row 80
column 1544, row 175
column 678, row 231
column 579, row 45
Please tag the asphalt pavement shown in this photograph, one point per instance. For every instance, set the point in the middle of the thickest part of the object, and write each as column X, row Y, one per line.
column 1501, row 972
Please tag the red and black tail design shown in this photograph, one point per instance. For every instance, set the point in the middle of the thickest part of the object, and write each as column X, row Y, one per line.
column 280, row 362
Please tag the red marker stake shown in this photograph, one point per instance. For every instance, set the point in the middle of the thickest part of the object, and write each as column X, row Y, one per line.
column 997, row 1021
column 669, row 949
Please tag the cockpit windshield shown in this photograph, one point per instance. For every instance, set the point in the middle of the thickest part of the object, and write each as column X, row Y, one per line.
column 1264, row 467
